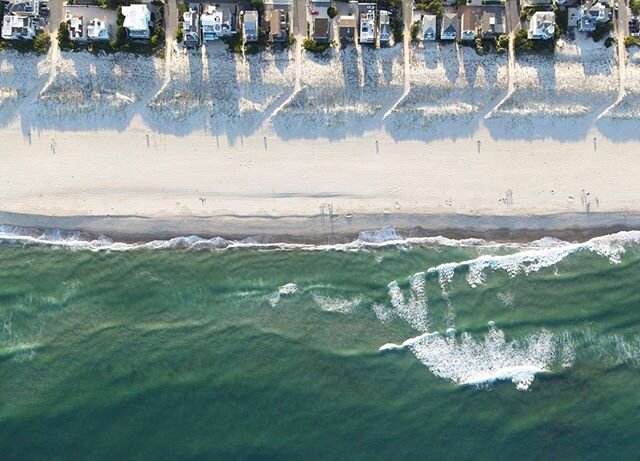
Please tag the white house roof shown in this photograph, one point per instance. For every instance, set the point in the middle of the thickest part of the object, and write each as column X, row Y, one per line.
column 429, row 27
column 136, row 17
column 97, row 29
column 542, row 25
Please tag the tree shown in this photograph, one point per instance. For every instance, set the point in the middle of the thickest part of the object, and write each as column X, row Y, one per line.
column 64, row 37
column 179, row 35
column 41, row 43
column 259, row 6
column 332, row 12
column 635, row 6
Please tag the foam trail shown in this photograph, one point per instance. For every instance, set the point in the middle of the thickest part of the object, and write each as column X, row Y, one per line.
column 342, row 306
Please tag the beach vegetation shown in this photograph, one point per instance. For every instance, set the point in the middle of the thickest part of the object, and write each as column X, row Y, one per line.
column 234, row 43
column 602, row 30
column 64, row 37
column 630, row 41
column 414, row 30
column 502, row 43
column 41, row 43
column 314, row 47
column 258, row 5
column 562, row 20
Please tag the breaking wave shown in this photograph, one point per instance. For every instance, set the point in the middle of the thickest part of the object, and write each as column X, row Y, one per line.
column 536, row 256
column 467, row 361
column 386, row 237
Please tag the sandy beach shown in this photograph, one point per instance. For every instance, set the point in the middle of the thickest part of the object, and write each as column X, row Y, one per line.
column 315, row 157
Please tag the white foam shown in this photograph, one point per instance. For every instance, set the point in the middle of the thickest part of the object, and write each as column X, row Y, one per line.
column 287, row 289
column 538, row 255
column 383, row 313
column 468, row 361
column 76, row 240
column 342, row 306
column 415, row 311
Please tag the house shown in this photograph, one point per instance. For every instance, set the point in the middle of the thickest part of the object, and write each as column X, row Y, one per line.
column 278, row 29
column 590, row 17
column 250, row 25
column 385, row 26
column 367, row 22
column 492, row 23
column 217, row 22
column 449, row 27
column 428, row 28
column 470, row 24
column 347, row 27
column 542, row 25
column 321, row 29
column 321, row 22
column 18, row 27
column 76, row 27
column 98, row 29
column 191, row 28
column 137, row 19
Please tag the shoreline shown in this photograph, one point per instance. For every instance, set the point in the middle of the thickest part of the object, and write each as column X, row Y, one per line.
column 310, row 230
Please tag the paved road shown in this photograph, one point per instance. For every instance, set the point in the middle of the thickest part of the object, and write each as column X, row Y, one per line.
column 56, row 13
column 512, row 16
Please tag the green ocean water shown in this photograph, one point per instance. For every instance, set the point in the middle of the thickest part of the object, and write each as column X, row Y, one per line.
column 199, row 354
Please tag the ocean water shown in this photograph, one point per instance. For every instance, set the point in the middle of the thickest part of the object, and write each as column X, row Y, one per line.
column 377, row 350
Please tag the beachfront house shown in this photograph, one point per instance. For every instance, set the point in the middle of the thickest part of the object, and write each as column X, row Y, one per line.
column 469, row 25
column 278, row 25
column 385, row 26
column 591, row 17
column 250, row 26
column 83, row 29
column 367, row 22
column 428, row 32
column 18, row 27
column 449, row 27
column 347, row 27
column 492, row 23
column 76, row 27
column 542, row 25
column 191, row 28
column 320, row 23
column 218, row 22
column 137, row 19
column 98, row 29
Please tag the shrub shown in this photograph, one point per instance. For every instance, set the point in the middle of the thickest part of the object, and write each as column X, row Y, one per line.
column 64, row 38
column 413, row 30
column 332, row 12
column 314, row 47
column 631, row 41
column 522, row 42
column 155, row 40
column 179, row 35
column 41, row 43
column 608, row 42
column 121, row 36
column 635, row 6
column 258, row 5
